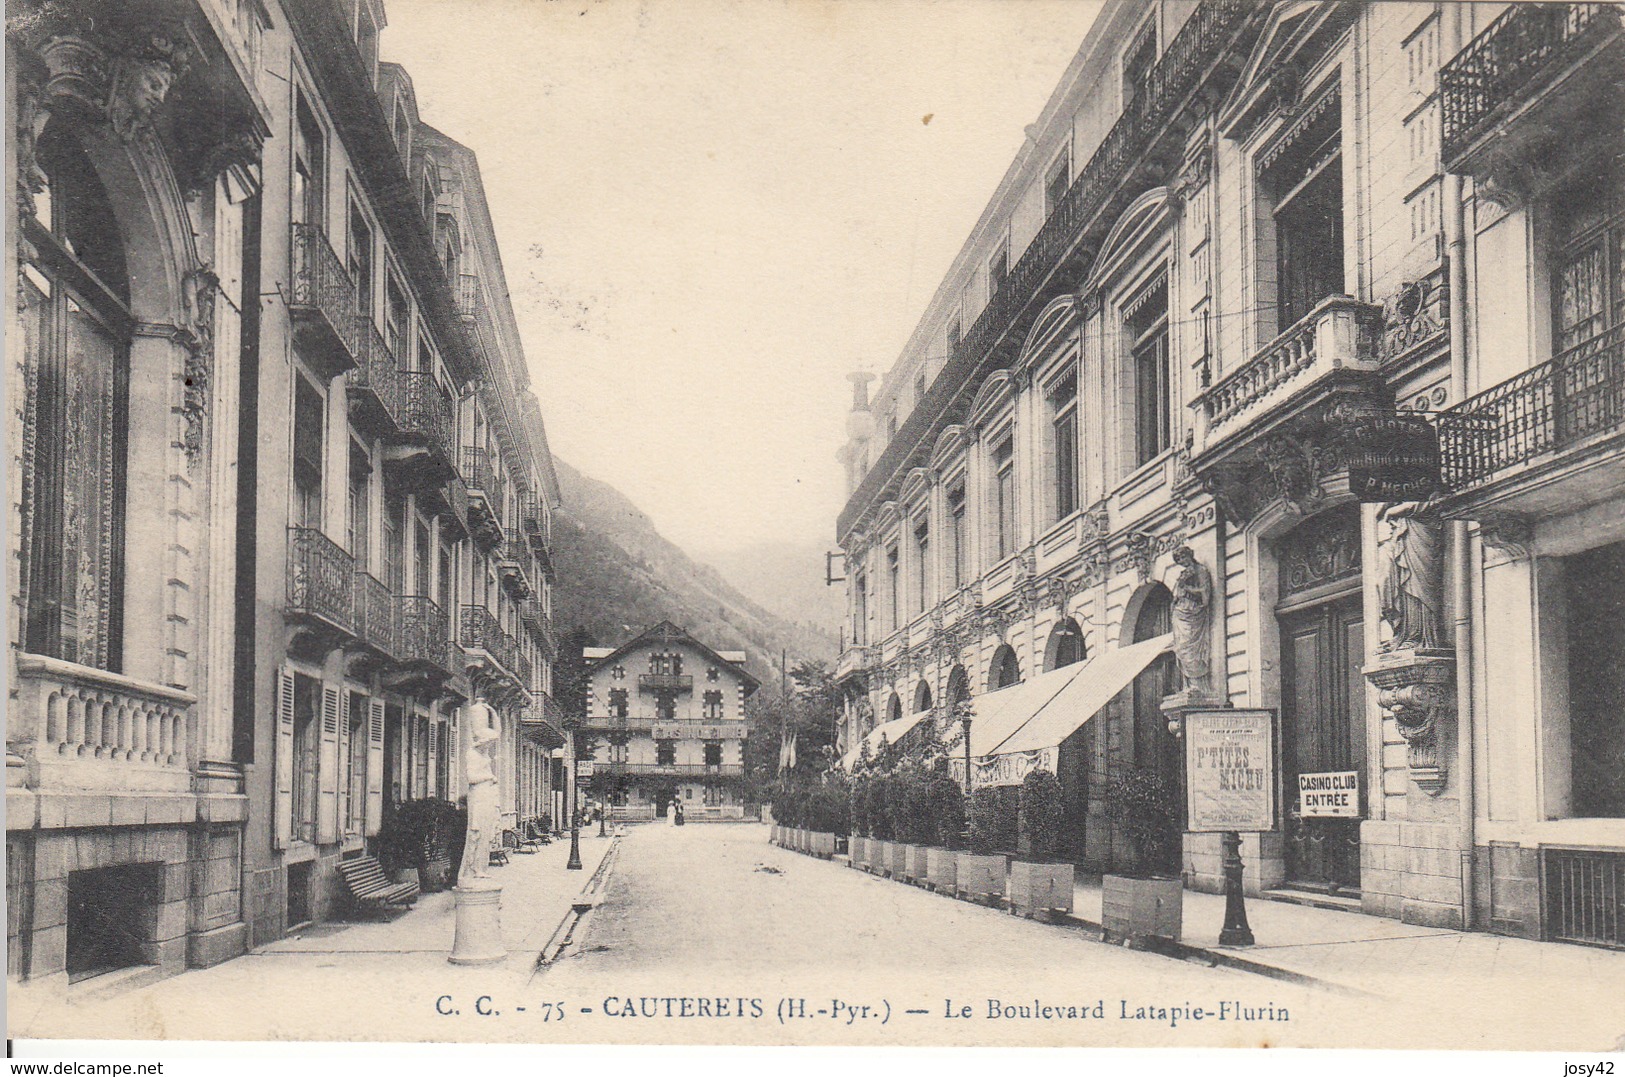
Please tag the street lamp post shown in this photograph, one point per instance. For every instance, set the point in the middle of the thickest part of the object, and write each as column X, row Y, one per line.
column 574, row 863
column 966, row 720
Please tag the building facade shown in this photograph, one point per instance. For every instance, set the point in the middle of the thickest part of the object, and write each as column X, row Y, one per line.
column 1246, row 251
column 322, row 487
column 666, row 724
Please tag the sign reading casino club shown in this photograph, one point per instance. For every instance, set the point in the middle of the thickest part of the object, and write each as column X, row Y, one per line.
column 1230, row 770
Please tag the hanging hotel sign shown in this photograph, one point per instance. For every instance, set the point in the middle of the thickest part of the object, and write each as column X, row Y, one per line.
column 1230, row 770
column 1393, row 456
column 583, row 768
column 1331, row 795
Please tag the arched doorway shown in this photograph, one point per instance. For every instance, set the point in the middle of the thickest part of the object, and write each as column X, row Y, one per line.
column 922, row 697
column 958, row 687
column 1065, row 646
column 894, row 708
column 1322, row 633
column 1004, row 670
column 1155, row 749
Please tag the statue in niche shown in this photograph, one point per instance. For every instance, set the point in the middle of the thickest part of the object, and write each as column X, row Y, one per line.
column 479, row 767
column 1408, row 598
column 1193, row 622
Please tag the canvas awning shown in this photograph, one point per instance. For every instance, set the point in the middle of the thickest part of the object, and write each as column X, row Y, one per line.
column 893, row 732
column 1094, row 684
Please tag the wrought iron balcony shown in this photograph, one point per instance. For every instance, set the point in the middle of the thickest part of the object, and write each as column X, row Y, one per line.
column 485, row 494
column 1147, row 139
column 322, row 301
column 375, row 614
column 1549, row 416
column 321, row 580
column 612, row 724
column 537, row 621
column 422, row 448
column 543, row 720
column 423, row 636
column 375, row 384
column 514, row 564
column 665, row 682
column 1506, row 76
column 482, row 635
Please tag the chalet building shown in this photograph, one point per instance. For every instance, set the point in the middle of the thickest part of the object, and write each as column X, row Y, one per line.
column 279, row 427
column 1126, row 461
column 666, row 723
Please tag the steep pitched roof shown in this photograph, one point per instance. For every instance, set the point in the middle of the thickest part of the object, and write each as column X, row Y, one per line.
column 667, row 634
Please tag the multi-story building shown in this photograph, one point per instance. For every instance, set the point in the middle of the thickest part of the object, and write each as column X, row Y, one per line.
column 322, row 490
column 666, row 723
column 1246, row 251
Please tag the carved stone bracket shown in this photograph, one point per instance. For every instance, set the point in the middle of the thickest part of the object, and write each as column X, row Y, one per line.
column 1418, row 689
column 1507, row 533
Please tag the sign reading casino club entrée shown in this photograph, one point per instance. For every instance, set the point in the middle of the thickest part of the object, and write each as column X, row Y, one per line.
column 1332, row 795
column 1230, row 770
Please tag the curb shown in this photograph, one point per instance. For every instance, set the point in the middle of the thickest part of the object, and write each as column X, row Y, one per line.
column 572, row 925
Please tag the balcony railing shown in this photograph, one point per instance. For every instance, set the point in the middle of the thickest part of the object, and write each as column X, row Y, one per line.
column 426, row 411
column 618, row 725
column 92, row 729
column 375, row 383
column 544, row 719
column 1339, row 334
column 1547, row 409
column 1511, row 62
column 481, row 632
column 375, row 613
column 515, row 564
column 665, row 682
column 321, row 299
column 422, row 634
column 673, row 770
column 537, row 621
column 321, row 579
column 1206, row 39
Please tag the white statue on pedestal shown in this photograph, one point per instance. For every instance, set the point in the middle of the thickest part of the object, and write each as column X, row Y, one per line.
column 479, row 767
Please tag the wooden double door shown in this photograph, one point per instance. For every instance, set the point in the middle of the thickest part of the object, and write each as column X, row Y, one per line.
column 1322, row 730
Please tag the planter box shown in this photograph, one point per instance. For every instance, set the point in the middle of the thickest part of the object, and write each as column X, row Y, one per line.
column 858, row 855
column 823, row 845
column 918, row 865
column 899, row 860
column 941, row 868
column 1136, row 909
column 773, row 833
column 980, row 877
column 880, row 857
column 801, row 840
column 1040, row 888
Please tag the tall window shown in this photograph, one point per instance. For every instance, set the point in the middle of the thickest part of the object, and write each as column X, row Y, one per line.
column 396, row 321
column 617, row 702
column 1139, row 60
column 955, row 335
column 919, row 388
column 1302, row 179
column 713, row 704
column 1004, row 498
column 1057, row 182
column 665, row 753
column 1147, row 322
column 307, row 454
column 860, row 610
column 998, row 270
column 355, row 508
column 893, row 585
column 309, row 196
column 666, row 705
column 360, row 251
column 395, row 543
column 355, row 768
column 713, row 753
column 422, row 560
column 1063, row 410
column 922, row 564
column 75, row 328
column 956, row 536
column 306, row 701
column 1588, row 294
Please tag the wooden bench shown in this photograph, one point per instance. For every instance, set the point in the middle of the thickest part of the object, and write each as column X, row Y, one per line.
column 364, row 877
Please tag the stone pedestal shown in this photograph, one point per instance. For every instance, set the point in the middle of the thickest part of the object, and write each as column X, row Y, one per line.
column 1175, row 706
column 479, row 926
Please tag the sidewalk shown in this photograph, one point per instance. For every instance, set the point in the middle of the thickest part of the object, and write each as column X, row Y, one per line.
column 1373, row 953
column 371, row 980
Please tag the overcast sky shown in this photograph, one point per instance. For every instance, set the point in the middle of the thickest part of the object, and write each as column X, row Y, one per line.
column 711, row 211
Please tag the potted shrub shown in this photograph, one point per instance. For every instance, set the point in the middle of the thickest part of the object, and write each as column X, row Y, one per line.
column 418, row 837
column 1040, row 879
column 857, row 794
column 880, row 822
column 948, row 822
column 979, row 871
column 922, row 829
column 1146, row 901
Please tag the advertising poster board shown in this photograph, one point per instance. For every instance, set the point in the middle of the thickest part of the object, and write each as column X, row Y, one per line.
column 1230, row 770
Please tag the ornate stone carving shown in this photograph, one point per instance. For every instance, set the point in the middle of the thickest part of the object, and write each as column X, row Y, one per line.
column 1142, row 553
column 1410, row 596
column 198, row 290
column 1413, row 316
column 1507, row 533
column 1095, row 523
column 1418, row 688
column 141, row 80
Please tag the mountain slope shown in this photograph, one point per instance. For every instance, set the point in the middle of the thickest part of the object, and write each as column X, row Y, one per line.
column 618, row 575
column 785, row 579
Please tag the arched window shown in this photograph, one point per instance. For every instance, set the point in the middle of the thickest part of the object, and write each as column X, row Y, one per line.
column 1155, row 749
column 75, row 327
column 1005, row 670
column 894, row 708
column 922, row 697
column 1065, row 646
column 958, row 686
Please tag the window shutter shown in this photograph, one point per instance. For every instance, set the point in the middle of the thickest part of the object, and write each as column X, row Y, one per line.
column 282, row 831
column 327, row 770
column 346, row 812
column 375, row 765
column 436, row 737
